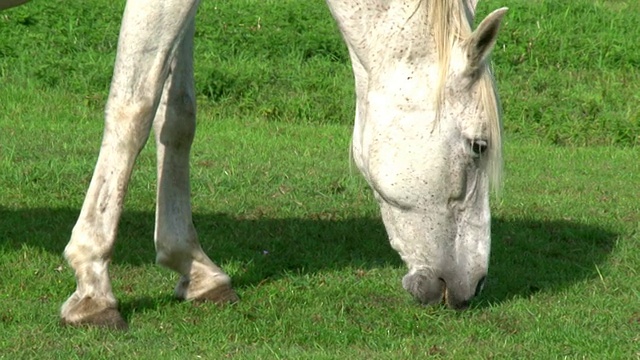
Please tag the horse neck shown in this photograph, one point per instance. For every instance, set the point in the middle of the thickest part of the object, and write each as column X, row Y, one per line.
column 427, row 27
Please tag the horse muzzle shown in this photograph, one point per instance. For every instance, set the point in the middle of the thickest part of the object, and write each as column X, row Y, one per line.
column 455, row 292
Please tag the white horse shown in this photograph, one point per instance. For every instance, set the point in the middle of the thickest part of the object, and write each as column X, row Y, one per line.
column 427, row 138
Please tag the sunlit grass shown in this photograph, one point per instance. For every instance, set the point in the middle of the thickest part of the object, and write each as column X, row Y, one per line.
column 277, row 204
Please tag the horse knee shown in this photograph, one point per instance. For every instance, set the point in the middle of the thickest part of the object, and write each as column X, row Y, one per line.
column 128, row 123
column 176, row 122
column 185, row 104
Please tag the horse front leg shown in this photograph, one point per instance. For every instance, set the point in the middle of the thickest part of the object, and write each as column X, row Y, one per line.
column 150, row 33
column 176, row 241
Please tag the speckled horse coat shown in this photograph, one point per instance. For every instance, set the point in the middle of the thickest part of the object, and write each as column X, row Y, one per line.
column 426, row 138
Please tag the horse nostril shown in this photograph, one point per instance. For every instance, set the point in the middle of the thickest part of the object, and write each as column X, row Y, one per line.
column 480, row 285
column 426, row 289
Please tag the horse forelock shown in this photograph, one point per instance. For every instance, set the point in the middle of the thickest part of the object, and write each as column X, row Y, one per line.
column 450, row 22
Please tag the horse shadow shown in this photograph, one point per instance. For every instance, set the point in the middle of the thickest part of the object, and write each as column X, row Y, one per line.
column 527, row 256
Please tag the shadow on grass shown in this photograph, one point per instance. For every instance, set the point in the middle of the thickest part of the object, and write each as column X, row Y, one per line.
column 527, row 256
column 532, row 256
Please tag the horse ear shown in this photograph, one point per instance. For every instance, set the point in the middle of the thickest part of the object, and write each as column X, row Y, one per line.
column 483, row 39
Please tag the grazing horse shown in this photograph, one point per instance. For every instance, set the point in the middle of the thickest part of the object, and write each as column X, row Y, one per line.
column 427, row 138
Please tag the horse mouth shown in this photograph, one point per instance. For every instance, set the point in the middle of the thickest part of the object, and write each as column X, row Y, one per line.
column 434, row 291
column 457, row 303
column 452, row 303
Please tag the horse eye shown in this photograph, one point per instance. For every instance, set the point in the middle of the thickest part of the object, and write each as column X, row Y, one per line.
column 479, row 147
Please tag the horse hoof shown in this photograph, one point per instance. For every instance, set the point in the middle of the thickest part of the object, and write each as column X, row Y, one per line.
column 107, row 318
column 89, row 312
column 221, row 295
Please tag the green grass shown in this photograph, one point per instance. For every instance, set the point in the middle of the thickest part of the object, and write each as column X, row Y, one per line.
column 567, row 70
column 278, row 206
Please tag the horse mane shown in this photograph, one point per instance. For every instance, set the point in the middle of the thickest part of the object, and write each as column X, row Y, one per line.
column 450, row 22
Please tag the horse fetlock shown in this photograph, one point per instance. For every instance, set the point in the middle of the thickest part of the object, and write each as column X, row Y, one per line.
column 92, row 276
column 100, row 311
column 176, row 261
column 88, row 245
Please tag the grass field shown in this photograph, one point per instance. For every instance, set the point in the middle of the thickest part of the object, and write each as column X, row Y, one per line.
column 278, row 206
